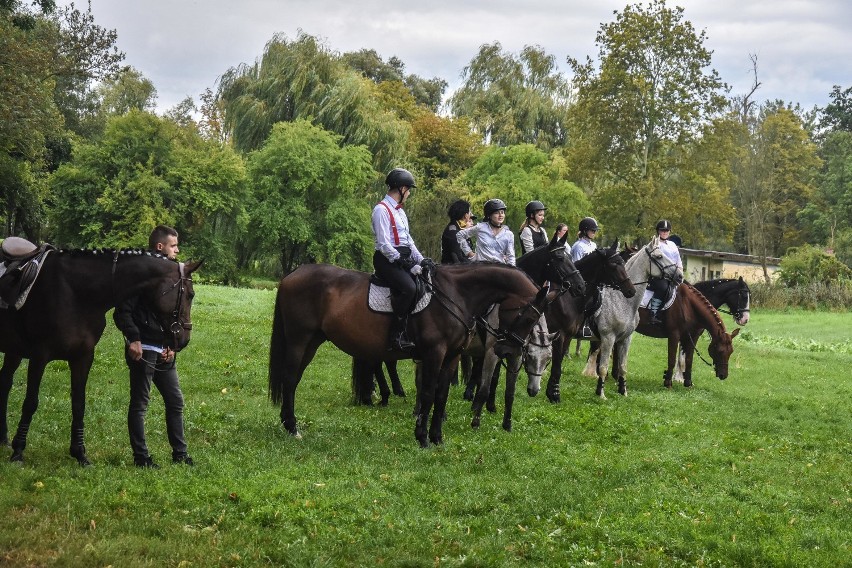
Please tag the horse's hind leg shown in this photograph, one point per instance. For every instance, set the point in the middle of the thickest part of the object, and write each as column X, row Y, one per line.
column 396, row 384
column 295, row 362
column 7, row 374
column 79, row 376
column 384, row 389
column 28, row 409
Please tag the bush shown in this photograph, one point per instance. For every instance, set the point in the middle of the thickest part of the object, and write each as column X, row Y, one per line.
column 836, row 296
column 810, row 265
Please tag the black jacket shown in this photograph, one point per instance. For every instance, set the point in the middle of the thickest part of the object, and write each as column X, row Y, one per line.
column 451, row 251
column 138, row 323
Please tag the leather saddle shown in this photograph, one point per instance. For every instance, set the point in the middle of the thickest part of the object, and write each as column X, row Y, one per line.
column 21, row 263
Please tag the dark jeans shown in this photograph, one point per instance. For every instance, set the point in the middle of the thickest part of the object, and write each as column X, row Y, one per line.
column 150, row 369
column 400, row 280
column 660, row 288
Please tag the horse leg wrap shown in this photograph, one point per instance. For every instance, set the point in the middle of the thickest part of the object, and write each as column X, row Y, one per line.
column 687, row 378
column 667, row 379
column 622, row 386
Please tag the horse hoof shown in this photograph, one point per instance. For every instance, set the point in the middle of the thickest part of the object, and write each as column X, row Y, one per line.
column 667, row 384
column 507, row 426
column 554, row 398
column 384, row 402
column 474, row 423
column 468, row 395
column 491, row 408
column 17, row 457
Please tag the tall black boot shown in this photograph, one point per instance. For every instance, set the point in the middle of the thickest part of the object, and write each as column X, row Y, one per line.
column 398, row 341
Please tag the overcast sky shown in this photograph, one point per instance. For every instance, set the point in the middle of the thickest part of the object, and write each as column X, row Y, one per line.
column 802, row 46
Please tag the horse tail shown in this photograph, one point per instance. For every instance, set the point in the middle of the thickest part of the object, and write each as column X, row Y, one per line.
column 276, row 353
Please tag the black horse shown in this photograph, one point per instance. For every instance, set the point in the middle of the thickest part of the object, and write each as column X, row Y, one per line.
column 64, row 317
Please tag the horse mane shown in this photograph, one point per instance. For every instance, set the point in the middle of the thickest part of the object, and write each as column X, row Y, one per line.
column 462, row 267
column 703, row 299
column 111, row 252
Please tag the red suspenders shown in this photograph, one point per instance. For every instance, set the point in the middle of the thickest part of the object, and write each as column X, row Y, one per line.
column 393, row 223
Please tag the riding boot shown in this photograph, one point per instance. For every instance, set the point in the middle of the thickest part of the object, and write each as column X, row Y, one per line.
column 654, row 307
column 397, row 339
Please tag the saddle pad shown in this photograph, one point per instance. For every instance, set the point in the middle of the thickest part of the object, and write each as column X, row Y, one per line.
column 38, row 262
column 650, row 294
column 380, row 300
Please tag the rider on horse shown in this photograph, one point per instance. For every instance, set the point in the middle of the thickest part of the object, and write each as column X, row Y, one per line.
column 396, row 258
column 532, row 233
column 585, row 245
column 662, row 286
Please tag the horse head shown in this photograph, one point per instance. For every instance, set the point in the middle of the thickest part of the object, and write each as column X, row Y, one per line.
column 615, row 273
column 740, row 307
column 171, row 301
column 720, row 350
column 552, row 263
column 659, row 265
column 538, row 352
column 513, row 337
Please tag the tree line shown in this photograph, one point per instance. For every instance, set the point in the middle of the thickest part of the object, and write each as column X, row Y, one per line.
column 281, row 163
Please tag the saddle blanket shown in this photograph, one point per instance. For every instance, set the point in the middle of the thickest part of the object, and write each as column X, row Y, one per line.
column 380, row 300
column 650, row 294
column 38, row 262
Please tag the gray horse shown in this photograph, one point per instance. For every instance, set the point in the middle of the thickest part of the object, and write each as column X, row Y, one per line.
column 617, row 318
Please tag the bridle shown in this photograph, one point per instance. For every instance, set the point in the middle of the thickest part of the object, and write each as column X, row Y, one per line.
column 177, row 325
column 500, row 334
column 564, row 272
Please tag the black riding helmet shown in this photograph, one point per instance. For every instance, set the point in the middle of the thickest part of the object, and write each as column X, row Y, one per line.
column 399, row 177
column 492, row 206
column 534, row 206
column 664, row 225
column 588, row 224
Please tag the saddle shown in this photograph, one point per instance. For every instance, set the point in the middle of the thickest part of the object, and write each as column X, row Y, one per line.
column 379, row 295
column 21, row 264
column 667, row 301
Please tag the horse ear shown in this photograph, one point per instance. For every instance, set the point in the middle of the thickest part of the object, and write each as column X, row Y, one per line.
column 554, row 241
column 542, row 294
column 193, row 266
column 614, row 247
column 735, row 332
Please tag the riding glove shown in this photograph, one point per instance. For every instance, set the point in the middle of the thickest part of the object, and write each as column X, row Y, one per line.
column 427, row 264
column 406, row 262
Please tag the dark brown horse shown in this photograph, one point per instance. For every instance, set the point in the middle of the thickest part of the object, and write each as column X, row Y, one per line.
column 690, row 314
column 64, row 318
column 318, row 303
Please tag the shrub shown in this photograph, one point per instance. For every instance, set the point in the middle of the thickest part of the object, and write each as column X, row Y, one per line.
column 809, row 265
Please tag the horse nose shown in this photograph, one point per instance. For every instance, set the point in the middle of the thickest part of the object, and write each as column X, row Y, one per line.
column 630, row 293
column 503, row 349
column 533, row 391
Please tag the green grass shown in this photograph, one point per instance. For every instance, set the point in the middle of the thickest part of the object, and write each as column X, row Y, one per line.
column 751, row 471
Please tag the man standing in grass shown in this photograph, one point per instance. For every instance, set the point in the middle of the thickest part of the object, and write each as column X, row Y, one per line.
column 150, row 360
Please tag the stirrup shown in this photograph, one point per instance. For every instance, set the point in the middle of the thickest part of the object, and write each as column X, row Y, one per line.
column 400, row 343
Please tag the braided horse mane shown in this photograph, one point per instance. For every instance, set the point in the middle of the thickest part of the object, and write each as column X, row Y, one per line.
column 720, row 326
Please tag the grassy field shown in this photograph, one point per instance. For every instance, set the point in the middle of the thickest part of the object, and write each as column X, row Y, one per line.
column 752, row 471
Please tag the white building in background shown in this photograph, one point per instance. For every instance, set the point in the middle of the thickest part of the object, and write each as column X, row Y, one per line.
column 701, row 265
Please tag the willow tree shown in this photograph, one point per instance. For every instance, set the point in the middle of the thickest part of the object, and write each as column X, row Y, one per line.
column 304, row 79
column 649, row 95
column 514, row 99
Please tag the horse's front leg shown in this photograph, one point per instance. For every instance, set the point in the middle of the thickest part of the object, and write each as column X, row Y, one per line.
column 688, row 355
column 603, row 354
column 425, row 400
column 560, row 346
column 513, row 369
column 35, row 371
column 7, row 374
column 622, row 351
column 674, row 349
column 489, row 362
column 439, row 414
column 80, row 368
column 384, row 389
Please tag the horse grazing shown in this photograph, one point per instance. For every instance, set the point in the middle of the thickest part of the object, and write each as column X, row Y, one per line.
column 617, row 318
column 733, row 292
column 688, row 316
column 65, row 315
column 319, row 302
column 603, row 268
